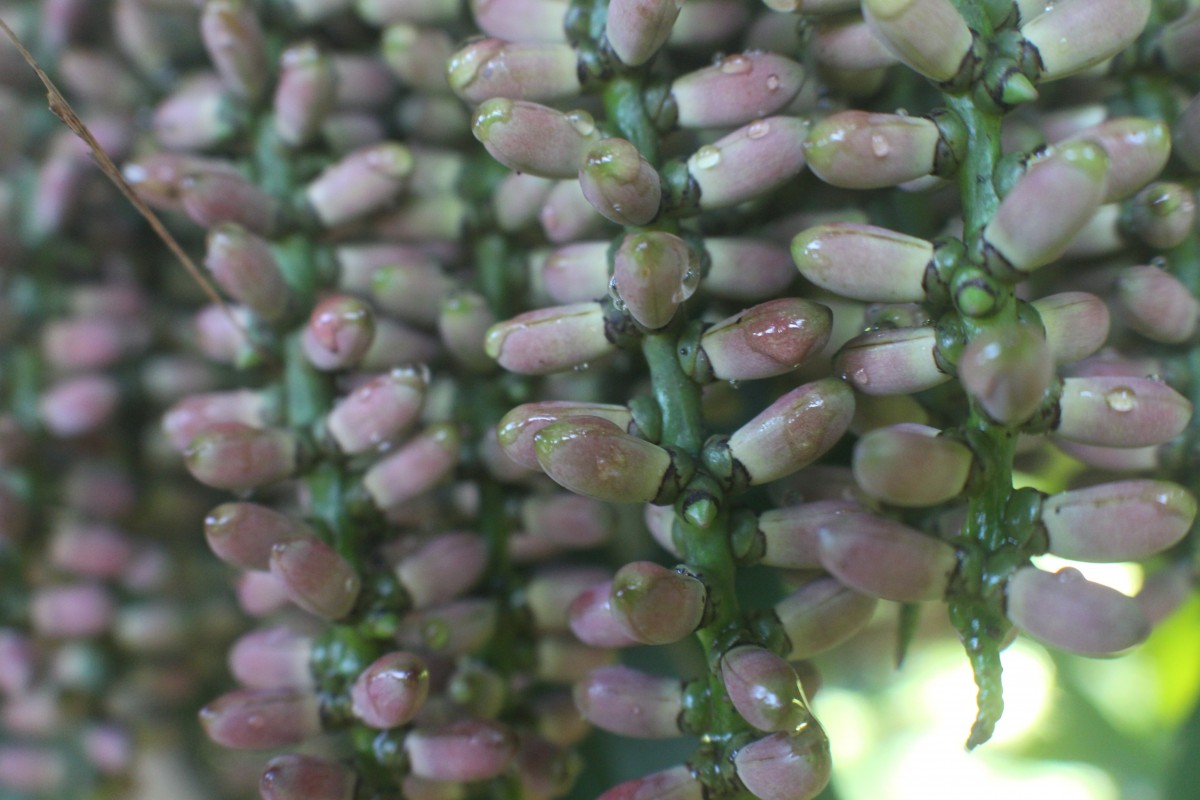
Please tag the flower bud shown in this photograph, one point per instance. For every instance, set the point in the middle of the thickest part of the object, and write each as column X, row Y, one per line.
column 882, row 460
column 886, row 559
column 636, row 29
column 569, row 216
column 545, row 770
column 198, row 413
column 339, row 332
column 764, row 689
column 1121, row 411
column 518, row 199
column 631, row 703
column 71, row 611
column 198, row 115
column 864, row 262
column 1007, row 370
column 470, row 750
column 593, row 457
column 862, row 150
column 736, row 89
column 789, row 535
column 656, row 605
column 443, row 568
column 528, row 137
column 1163, row 214
column 304, row 94
column 1046, row 208
column 1072, row 35
column 378, row 411
column 1187, row 134
column 242, row 534
column 550, row 339
column 79, row 406
column 567, row 519
column 236, row 46
column 541, row 71
column 1164, row 591
column 676, row 783
column 299, row 777
column 822, row 614
column 390, row 692
column 272, row 658
column 237, row 457
column 850, row 44
column 1123, row 521
column 766, row 340
column 261, row 719
column 316, row 577
column 786, row 766
column 891, row 361
column 398, row 345
column 1067, row 611
column 591, row 619
column 242, row 264
column 748, row 270
column 1137, row 147
column 418, row 56
column 929, row 36
column 654, row 273
column 517, row 429
column 260, row 594
column 706, row 24
column 562, row 660
column 211, row 198
column 1156, row 304
column 364, row 181
column 749, row 162
column 551, row 591
column 1076, row 324
column 521, row 20
column 90, row 549
column 416, row 467
column 463, row 325
column 453, row 629
column 620, row 183
column 80, row 343
column 793, row 431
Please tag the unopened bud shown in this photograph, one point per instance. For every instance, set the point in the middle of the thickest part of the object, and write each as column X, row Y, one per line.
column 298, row 777
column 654, row 273
column 786, row 766
column 378, row 411
column 764, row 689
column 541, row 72
column 1067, row 611
column 390, row 692
column 766, row 340
column 528, row 137
column 470, row 750
column 736, row 89
column 631, row 703
column 882, row 460
column 620, row 183
column 822, row 614
column 242, row 264
column 749, row 162
column 1072, row 35
column 595, row 458
column 550, row 339
column 676, row 783
column 236, row 46
column 864, row 262
column 366, row 180
column 636, row 29
column 1137, row 147
column 316, row 577
column 1124, row 521
column 1163, row 214
column 1007, row 370
column 656, row 605
column 1076, row 324
column 272, row 658
column 1121, row 411
column 261, row 719
column 304, row 94
column 862, row 150
column 237, row 457
column 886, row 559
column 415, row 468
column 891, row 361
column 517, row 429
column 930, row 36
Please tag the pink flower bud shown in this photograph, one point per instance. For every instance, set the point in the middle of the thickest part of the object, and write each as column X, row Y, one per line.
column 746, row 269
column 568, row 519
column 272, row 658
column 654, row 273
column 550, row 339
column 517, row 200
column 220, row 333
column 32, row 769
column 233, row 456
column 764, row 689
column 1076, row 324
column 656, row 605
column 462, row 326
column 339, row 332
column 442, row 568
column 453, row 629
column 418, row 56
column 789, row 535
column 518, row 428
column 929, row 36
column 242, row 534
column 544, row 770
column 260, row 593
column 750, row 162
column 83, row 344
column 1067, row 611
column 541, row 72
column 676, row 783
column 79, row 406
column 196, row 414
column 593, row 457
column 861, row 150
column 261, row 719
column 398, row 345
column 93, row 550
column 1047, row 207
column 850, row 44
column 1120, row 521
column 1137, row 149
column 528, row 137
column 568, row 215
column 636, row 29
column 886, row 559
column 864, row 262
column 211, row 198
column 304, row 94
column 158, row 178
column 364, row 83
column 71, row 611
column 891, row 361
column 562, row 660
column 793, row 431
column 736, row 89
column 786, row 766
column 316, row 577
column 390, row 692
column 766, row 340
column 1119, row 411
column 521, row 20
column 242, row 264
column 235, row 45
column 1071, row 36
column 620, row 183
column 592, row 621
column 367, row 180
column 1156, row 304
column 298, row 777
column 109, row 748
column 1164, row 591
column 470, row 750
column 198, row 115
column 1163, row 214
column 631, row 703
column 415, row 468
column 1007, row 370
column 883, row 460
column 378, row 411
column 822, row 614
column 551, row 592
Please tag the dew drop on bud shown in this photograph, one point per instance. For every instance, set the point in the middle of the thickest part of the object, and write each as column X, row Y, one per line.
column 1069, row 575
column 1121, row 399
column 736, row 65
column 708, row 157
column 582, row 121
column 880, row 146
column 758, row 129
column 773, row 83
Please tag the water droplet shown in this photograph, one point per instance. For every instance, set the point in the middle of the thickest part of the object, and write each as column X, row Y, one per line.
column 734, row 385
column 880, row 146
column 582, row 367
column 707, row 157
column 736, row 65
column 582, row 121
column 1121, row 399
column 1159, row 261
column 758, row 130
column 901, row 112
column 1069, row 575
column 773, row 83
column 861, row 377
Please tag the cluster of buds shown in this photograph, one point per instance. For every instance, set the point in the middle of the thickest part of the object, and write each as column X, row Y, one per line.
column 465, row 298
